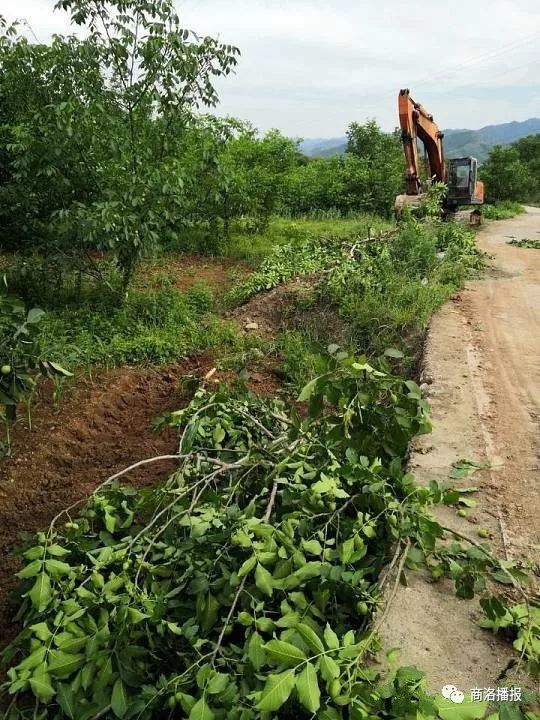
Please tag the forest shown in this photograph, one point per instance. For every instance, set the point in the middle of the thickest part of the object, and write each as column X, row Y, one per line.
column 141, row 232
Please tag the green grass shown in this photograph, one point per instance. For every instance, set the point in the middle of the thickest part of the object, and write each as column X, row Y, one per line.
column 383, row 295
column 156, row 327
column 302, row 356
column 502, row 210
column 280, row 231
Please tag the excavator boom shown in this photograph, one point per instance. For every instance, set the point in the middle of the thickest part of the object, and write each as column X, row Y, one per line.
column 416, row 123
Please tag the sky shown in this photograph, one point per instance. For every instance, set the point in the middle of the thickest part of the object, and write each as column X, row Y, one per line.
column 310, row 67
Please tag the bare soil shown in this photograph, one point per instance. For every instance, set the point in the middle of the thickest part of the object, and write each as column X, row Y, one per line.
column 101, row 428
column 482, row 375
column 266, row 313
column 186, row 271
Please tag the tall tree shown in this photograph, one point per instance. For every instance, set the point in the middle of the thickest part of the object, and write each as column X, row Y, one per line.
column 95, row 130
column 507, row 175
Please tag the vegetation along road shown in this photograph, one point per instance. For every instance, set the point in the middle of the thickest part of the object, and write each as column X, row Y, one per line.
column 482, row 366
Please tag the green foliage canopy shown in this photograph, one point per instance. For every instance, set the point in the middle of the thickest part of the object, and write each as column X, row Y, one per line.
column 513, row 172
column 93, row 126
column 367, row 178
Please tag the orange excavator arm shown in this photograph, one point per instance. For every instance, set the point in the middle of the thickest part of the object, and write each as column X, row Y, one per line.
column 415, row 123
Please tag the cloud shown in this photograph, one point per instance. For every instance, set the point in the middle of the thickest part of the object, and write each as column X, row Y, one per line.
column 309, row 67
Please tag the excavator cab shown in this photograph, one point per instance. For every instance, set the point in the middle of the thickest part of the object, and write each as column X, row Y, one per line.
column 463, row 186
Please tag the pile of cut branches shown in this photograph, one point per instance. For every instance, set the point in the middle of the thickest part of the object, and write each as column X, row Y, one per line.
column 245, row 585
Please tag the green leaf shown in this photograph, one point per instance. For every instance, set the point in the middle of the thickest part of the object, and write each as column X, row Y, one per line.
column 58, row 369
column 393, row 353
column 40, row 594
column 62, row 664
column 463, row 469
column 34, row 316
column 31, row 570
column 284, row 652
column 110, row 522
column 136, row 616
column 247, row 566
column 217, row 683
column 201, row 711
column 310, row 637
column 329, row 668
column 307, row 687
column 307, row 390
column 468, row 502
column 64, row 697
column 41, row 631
column 263, row 580
column 40, row 682
column 57, row 551
column 276, row 691
column 57, row 568
column 219, row 434
column 174, row 628
column 255, row 651
column 119, row 699
column 313, row 547
column 33, row 660
column 467, row 710
column 330, row 638
column 346, row 550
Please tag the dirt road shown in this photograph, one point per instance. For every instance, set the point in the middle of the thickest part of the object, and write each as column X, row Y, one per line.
column 482, row 366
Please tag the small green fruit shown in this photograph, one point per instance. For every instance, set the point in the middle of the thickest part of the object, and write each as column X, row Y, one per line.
column 462, row 513
column 6, row 369
column 334, row 688
column 483, row 533
column 171, row 702
column 245, row 619
column 362, row 608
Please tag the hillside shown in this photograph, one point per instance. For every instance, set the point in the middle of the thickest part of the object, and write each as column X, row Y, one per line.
column 458, row 142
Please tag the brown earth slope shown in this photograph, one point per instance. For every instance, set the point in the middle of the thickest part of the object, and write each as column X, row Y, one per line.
column 482, row 366
column 101, row 428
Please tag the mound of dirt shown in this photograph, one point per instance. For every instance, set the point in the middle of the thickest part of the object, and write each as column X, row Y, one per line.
column 265, row 313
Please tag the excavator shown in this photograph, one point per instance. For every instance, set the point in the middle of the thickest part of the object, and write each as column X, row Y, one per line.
column 459, row 174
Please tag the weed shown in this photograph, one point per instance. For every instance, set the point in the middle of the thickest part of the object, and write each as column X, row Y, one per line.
column 152, row 327
column 502, row 210
column 280, row 231
column 385, row 289
column 533, row 244
column 301, row 357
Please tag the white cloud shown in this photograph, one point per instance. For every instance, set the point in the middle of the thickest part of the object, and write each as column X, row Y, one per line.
column 310, row 67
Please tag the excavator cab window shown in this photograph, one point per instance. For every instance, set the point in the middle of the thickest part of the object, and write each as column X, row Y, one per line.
column 461, row 180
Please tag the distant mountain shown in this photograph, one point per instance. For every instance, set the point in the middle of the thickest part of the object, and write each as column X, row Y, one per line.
column 478, row 143
column 323, row 147
column 457, row 143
